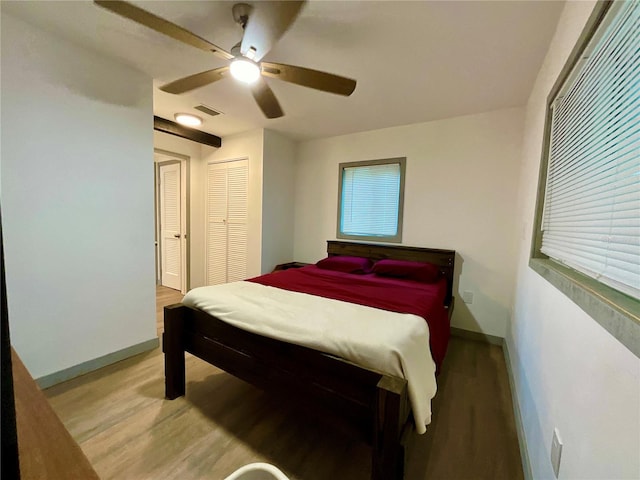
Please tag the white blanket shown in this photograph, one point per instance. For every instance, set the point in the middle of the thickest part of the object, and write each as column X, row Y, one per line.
column 392, row 343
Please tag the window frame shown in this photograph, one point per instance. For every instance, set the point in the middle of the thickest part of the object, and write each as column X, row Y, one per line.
column 366, row 163
column 618, row 313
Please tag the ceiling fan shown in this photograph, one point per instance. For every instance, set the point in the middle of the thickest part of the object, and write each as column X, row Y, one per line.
column 263, row 25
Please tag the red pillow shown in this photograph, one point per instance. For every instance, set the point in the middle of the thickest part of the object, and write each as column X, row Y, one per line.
column 421, row 272
column 346, row 264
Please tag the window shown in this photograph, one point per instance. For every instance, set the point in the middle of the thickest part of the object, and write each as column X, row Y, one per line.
column 370, row 200
column 588, row 218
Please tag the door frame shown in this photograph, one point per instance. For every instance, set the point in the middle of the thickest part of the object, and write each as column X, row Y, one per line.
column 164, row 157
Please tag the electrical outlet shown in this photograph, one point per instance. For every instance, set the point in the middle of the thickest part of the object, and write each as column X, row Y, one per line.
column 467, row 296
column 556, row 451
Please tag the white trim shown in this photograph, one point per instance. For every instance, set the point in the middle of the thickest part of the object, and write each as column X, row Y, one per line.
column 228, row 160
column 171, row 155
column 163, row 156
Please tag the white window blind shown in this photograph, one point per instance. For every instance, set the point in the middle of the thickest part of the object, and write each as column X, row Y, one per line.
column 591, row 218
column 370, row 200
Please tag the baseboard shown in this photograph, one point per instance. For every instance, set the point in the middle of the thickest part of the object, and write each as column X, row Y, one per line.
column 522, row 439
column 477, row 336
column 91, row 365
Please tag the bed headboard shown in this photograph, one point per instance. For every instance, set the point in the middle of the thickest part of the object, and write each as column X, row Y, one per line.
column 444, row 259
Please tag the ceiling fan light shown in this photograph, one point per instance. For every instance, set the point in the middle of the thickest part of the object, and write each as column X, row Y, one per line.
column 188, row 120
column 244, row 70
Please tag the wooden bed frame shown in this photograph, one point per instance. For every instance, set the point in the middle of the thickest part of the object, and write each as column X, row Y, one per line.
column 373, row 404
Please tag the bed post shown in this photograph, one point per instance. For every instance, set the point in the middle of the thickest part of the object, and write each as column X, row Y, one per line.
column 391, row 413
column 173, row 347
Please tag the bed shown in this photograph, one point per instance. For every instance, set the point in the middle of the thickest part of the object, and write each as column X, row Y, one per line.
column 375, row 405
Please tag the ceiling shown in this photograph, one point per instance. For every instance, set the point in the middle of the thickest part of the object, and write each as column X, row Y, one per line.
column 414, row 61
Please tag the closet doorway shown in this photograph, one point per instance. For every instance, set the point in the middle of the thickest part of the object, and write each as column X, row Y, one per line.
column 227, row 221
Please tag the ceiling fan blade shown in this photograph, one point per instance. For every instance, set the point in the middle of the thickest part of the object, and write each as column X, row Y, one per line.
column 266, row 99
column 267, row 23
column 194, row 81
column 327, row 82
column 161, row 25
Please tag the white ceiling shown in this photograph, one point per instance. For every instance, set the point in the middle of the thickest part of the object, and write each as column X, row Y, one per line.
column 414, row 61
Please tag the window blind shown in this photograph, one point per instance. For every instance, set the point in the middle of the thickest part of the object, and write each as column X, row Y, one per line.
column 591, row 217
column 370, row 200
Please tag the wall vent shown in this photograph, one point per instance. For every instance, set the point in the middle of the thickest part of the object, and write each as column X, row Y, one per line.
column 207, row 110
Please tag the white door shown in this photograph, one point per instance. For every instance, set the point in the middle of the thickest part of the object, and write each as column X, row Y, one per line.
column 227, row 216
column 216, row 224
column 237, row 216
column 170, row 221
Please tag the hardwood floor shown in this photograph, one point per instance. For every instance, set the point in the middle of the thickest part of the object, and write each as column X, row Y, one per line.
column 128, row 430
column 165, row 296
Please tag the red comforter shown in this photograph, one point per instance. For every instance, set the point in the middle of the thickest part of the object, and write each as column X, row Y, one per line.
column 396, row 295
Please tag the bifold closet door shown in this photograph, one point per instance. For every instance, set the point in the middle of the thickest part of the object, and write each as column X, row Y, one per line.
column 237, row 215
column 227, row 214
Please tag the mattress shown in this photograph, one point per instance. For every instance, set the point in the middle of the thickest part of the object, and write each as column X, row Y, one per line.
column 381, row 337
column 387, row 293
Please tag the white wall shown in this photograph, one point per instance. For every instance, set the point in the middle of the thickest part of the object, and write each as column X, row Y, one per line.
column 570, row 373
column 278, row 174
column 244, row 145
column 77, row 200
column 197, row 172
column 460, row 194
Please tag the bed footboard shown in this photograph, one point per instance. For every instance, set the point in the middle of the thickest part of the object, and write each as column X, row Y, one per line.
column 371, row 404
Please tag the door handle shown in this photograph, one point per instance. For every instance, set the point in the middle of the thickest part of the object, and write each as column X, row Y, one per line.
column 177, row 235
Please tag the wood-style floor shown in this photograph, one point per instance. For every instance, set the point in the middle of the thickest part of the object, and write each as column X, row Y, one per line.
column 165, row 296
column 128, row 430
